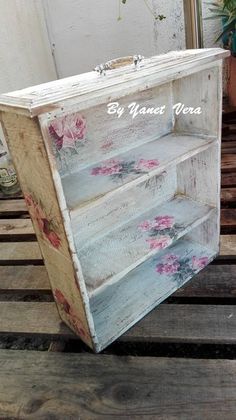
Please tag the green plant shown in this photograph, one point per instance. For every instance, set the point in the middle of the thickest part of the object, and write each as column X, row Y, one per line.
column 154, row 14
column 226, row 11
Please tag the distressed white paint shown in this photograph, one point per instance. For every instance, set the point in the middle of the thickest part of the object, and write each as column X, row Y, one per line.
column 83, row 188
column 25, row 57
column 110, row 254
column 139, row 292
column 126, row 247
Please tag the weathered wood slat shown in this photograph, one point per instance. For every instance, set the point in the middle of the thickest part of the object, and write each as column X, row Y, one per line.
column 28, row 278
column 228, row 163
column 228, row 245
column 228, row 218
column 9, row 207
column 228, row 195
column 167, row 323
column 52, row 385
column 19, row 251
column 16, row 227
column 228, row 180
column 216, row 281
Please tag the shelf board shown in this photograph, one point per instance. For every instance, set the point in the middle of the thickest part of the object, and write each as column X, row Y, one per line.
column 119, row 306
column 85, row 187
column 110, row 257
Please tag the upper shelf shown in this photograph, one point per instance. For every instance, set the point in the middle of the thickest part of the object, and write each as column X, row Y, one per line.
column 127, row 169
column 54, row 95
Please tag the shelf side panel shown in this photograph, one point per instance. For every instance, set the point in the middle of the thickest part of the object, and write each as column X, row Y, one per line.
column 199, row 178
column 200, row 92
column 31, row 162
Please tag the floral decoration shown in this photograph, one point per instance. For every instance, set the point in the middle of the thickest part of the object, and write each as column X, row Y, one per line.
column 161, row 231
column 72, row 317
column 46, row 226
column 180, row 268
column 68, row 134
column 118, row 169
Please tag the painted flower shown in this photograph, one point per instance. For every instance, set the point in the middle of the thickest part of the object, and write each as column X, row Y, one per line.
column 111, row 167
column 54, row 239
column 67, row 130
column 60, row 298
column 145, row 225
column 72, row 318
column 44, row 225
column 163, row 222
column 199, row 263
column 170, row 258
column 107, row 144
column 159, row 243
column 146, row 164
column 168, row 268
column 28, row 199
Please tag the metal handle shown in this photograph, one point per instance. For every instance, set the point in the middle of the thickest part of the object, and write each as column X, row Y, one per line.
column 119, row 62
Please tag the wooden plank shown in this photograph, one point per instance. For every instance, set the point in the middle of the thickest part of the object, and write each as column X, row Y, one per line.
column 19, row 251
column 228, row 180
column 127, row 170
column 28, row 278
column 228, row 218
column 228, row 195
column 11, row 207
column 228, row 245
column 216, row 281
column 16, row 227
column 126, row 247
column 47, row 385
column 168, row 323
column 228, row 163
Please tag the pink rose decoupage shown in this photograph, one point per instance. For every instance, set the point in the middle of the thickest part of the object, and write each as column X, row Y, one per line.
column 160, row 232
column 180, row 268
column 47, row 226
column 68, row 134
column 118, row 169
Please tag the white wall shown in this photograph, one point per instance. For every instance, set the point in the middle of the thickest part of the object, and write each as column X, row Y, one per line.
column 86, row 32
column 25, row 54
column 211, row 28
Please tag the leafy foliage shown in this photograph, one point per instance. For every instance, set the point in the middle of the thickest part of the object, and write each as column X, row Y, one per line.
column 226, row 11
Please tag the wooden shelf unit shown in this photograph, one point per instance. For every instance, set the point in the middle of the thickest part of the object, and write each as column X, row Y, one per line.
column 126, row 210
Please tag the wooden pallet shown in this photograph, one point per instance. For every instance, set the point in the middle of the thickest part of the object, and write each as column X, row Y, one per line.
column 178, row 362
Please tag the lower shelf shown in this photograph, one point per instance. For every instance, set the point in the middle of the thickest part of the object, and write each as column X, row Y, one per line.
column 119, row 306
column 112, row 256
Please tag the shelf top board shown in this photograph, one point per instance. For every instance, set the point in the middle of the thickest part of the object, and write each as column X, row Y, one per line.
column 51, row 96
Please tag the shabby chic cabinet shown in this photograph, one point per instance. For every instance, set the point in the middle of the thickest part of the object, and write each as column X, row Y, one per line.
column 120, row 169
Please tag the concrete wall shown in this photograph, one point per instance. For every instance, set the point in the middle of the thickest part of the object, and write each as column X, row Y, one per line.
column 85, row 33
column 25, row 57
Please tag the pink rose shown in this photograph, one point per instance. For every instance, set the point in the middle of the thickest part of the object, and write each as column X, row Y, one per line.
column 29, row 199
column 67, row 130
column 163, row 222
column 145, row 225
column 159, row 243
column 54, row 239
column 199, row 263
column 111, row 167
column 146, row 164
column 169, row 258
column 168, row 269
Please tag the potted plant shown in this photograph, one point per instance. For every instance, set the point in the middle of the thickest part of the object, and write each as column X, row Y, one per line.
column 226, row 11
